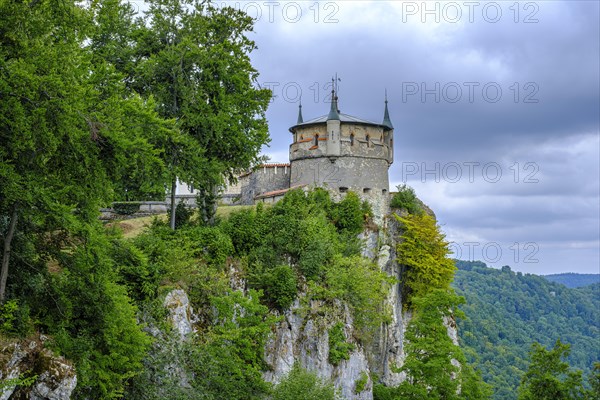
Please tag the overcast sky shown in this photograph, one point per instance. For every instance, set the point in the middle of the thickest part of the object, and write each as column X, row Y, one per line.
column 495, row 107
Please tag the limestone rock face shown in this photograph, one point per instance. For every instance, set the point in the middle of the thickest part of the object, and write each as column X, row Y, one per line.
column 303, row 335
column 387, row 350
column 180, row 311
column 56, row 377
column 306, row 340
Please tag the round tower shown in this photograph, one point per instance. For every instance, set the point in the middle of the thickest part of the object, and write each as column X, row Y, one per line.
column 342, row 152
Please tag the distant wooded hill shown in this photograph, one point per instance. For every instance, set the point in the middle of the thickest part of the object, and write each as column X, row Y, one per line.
column 573, row 280
column 508, row 311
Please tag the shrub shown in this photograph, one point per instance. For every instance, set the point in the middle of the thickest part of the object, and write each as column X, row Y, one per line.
column 423, row 252
column 280, row 286
column 212, row 244
column 126, row 208
column 183, row 214
column 360, row 283
column 339, row 349
column 406, row 199
column 361, row 383
column 140, row 277
column 348, row 214
column 300, row 384
column 7, row 316
column 245, row 230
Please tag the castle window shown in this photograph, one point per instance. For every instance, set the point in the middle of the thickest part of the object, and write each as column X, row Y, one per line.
column 366, row 190
column 384, row 191
column 316, row 140
column 368, row 141
column 352, row 139
column 343, row 189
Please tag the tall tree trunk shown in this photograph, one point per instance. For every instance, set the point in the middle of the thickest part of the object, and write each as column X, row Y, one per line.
column 6, row 252
column 173, row 189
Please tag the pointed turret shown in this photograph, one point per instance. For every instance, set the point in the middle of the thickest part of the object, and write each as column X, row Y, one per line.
column 333, row 112
column 386, row 115
column 300, row 119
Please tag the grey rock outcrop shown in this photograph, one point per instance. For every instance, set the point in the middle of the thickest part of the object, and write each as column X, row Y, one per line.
column 305, row 340
column 55, row 377
column 181, row 314
column 302, row 336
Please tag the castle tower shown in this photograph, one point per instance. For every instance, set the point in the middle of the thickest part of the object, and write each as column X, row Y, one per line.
column 342, row 152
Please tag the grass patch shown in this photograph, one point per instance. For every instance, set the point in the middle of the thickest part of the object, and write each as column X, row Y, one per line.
column 226, row 211
column 134, row 226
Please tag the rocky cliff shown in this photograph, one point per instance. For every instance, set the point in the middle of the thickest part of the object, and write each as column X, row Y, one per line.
column 304, row 338
column 302, row 335
column 51, row 377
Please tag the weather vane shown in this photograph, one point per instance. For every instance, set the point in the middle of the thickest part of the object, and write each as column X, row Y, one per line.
column 334, row 83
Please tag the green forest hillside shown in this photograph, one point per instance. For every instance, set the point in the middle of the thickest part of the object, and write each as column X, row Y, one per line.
column 508, row 311
column 573, row 280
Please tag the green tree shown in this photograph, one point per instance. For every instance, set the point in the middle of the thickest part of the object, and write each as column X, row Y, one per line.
column 406, row 199
column 423, row 254
column 436, row 367
column 595, row 381
column 194, row 59
column 300, row 384
column 67, row 128
column 549, row 377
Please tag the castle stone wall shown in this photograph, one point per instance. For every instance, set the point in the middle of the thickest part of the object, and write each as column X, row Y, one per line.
column 264, row 179
column 355, row 140
column 359, row 174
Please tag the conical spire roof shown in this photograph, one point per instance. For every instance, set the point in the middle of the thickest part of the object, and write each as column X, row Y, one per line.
column 300, row 119
column 387, row 122
column 333, row 112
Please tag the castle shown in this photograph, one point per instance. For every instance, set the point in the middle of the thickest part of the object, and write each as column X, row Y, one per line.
column 336, row 151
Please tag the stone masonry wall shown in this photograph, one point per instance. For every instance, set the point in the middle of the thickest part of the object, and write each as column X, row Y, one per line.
column 361, row 175
column 265, row 179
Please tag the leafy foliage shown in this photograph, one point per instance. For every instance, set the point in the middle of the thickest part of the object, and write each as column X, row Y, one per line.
column 572, row 280
column 225, row 359
column 423, row 253
column 549, row 377
column 363, row 286
column 300, row 384
column 126, row 208
column 89, row 316
column 406, row 199
column 182, row 215
column 280, row 286
column 7, row 316
column 339, row 349
column 509, row 311
column 193, row 58
column 435, row 366
column 361, row 383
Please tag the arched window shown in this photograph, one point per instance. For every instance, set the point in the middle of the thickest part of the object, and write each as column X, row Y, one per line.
column 352, row 139
column 316, row 140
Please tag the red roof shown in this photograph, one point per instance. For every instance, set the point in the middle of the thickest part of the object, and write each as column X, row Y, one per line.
column 275, row 193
